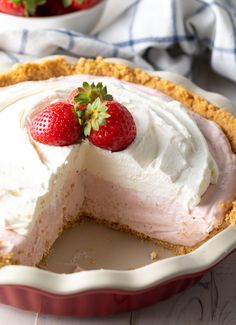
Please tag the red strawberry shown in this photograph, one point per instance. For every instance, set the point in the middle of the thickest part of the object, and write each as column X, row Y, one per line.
column 8, row 7
column 80, row 4
column 20, row 7
column 56, row 125
column 109, row 125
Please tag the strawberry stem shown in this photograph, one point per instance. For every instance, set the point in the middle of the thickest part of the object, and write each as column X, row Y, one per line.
column 68, row 3
column 90, row 106
column 94, row 115
column 89, row 92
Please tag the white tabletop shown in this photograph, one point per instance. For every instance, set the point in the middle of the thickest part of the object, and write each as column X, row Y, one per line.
column 211, row 301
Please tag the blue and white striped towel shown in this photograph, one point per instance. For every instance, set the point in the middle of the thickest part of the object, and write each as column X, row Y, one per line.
column 166, row 34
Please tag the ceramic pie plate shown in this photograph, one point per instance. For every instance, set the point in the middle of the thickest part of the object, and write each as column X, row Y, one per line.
column 117, row 272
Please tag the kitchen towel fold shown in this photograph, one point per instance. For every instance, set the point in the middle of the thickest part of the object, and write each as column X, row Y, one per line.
column 163, row 34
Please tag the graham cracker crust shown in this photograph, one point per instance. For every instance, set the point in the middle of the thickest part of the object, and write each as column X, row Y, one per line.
column 7, row 260
column 58, row 66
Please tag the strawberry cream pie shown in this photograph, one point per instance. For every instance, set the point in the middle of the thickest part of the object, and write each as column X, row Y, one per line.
column 113, row 143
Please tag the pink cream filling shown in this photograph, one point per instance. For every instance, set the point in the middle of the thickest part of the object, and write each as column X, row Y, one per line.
column 160, row 218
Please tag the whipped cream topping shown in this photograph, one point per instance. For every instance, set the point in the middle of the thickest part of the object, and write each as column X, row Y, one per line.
column 169, row 155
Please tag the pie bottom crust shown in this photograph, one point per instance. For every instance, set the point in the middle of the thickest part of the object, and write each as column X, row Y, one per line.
column 58, row 66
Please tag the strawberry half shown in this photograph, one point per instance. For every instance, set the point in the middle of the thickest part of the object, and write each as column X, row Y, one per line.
column 109, row 125
column 80, row 4
column 20, row 7
column 56, row 125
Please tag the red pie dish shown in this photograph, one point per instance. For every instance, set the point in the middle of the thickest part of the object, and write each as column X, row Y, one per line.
column 174, row 126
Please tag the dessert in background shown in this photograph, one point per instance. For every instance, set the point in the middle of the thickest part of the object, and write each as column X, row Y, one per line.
column 44, row 8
